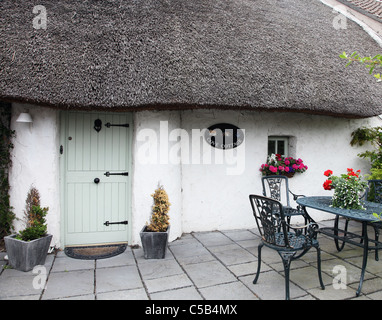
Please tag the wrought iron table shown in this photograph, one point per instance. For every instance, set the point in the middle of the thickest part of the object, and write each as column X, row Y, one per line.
column 364, row 216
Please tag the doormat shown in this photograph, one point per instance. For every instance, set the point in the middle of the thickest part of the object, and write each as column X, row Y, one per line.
column 95, row 252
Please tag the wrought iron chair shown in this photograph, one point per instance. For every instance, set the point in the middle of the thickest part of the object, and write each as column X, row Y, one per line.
column 270, row 219
column 273, row 187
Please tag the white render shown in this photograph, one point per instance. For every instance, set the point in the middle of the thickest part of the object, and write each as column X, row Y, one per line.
column 35, row 161
column 205, row 195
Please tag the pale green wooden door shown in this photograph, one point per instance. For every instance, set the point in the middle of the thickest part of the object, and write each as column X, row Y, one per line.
column 91, row 148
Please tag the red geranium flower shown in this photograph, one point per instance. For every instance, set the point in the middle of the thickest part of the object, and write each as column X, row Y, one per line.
column 328, row 173
column 327, row 184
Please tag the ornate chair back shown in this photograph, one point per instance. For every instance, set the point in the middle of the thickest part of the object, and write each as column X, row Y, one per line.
column 276, row 187
column 270, row 220
column 374, row 192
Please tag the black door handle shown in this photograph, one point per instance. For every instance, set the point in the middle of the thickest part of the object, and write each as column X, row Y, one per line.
column 107, row 174
column 97, row 180
column 107, row 223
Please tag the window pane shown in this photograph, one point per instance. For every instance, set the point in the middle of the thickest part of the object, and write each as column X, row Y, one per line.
column 281, row 147
column 271, row 147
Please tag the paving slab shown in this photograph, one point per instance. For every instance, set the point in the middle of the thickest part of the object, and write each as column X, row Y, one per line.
column 190, row 253
column 168, row 283
column 16, row 284
column 208, row 274
column 228, row 291
column 307, row 278
column 64, row 263
column 151, row 269
column 231, row 254
column 124, row 259
column 69, row 284
column 117, row 278
column 189, row 293
column 207, row 265
column 248, row 268
column 132, row 294
column 271, row 286
column 240, row 235
column 212, row 238
column 330, row 293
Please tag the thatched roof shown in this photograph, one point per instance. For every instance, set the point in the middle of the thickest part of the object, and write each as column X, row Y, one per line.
column 166, row 54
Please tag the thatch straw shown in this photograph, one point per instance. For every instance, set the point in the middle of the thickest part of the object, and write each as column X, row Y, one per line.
column 279, row 55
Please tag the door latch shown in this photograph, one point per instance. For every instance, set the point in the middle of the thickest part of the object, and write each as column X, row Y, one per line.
column 108, row 125
column 107, row 223
column 107, row 174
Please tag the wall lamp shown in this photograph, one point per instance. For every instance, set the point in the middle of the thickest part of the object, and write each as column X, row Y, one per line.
column 25, row 117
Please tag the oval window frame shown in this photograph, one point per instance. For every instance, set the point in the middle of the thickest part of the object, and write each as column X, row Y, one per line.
column 213, row 131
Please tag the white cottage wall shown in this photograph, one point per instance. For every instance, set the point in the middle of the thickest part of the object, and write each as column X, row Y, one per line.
column 35, row 161
column 205, row 194
column 152, row 166
column 215, row 200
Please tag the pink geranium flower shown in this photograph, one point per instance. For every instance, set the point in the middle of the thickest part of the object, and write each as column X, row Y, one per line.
column 273, row 169
column 277, row 164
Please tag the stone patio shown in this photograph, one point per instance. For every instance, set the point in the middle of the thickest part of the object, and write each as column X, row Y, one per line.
column 218, row 265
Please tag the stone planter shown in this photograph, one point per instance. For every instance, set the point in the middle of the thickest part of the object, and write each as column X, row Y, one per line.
column 25, row 255
column 154, row 243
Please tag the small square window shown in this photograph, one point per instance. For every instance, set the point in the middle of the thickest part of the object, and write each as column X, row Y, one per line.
column 278, row 145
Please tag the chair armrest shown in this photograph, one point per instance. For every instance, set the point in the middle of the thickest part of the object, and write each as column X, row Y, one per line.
column 296, row 196
column 312, row 229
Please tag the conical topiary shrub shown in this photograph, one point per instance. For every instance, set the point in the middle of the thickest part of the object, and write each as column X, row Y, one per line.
column 154, row 236
column 30, row 247
column 160, row 218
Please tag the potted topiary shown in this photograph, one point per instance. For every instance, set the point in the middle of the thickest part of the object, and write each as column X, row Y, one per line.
column 30, row 247
column 154, row 236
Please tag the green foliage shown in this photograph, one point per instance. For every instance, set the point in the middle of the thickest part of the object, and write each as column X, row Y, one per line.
column 346, row 193
column 347, row 188
column 376, row 174
column 6, row 134
column 38, row 227
column 377, row 216
column 160, row 218
column 373, row 135
column 370, row 62
column 34, row 217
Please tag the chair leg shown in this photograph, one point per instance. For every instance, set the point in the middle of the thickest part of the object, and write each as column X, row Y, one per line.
column 287, row 259
column 258, row 262
column 319, row 267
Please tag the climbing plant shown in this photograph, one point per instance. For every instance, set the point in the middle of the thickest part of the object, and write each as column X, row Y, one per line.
column 6, row 214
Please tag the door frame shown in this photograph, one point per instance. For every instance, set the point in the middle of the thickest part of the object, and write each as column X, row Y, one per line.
column 63, row 117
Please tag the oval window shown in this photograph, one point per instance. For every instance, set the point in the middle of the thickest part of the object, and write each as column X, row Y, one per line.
column 224, row 136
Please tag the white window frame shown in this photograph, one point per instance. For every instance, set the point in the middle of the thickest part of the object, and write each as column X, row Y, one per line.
column 277, row 139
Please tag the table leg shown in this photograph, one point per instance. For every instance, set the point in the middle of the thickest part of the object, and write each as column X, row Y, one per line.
column 336, row 221
column 365, row 252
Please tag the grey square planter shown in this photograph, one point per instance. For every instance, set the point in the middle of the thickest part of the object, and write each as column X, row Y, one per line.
column 25, row 255
column 154, row 243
